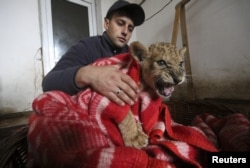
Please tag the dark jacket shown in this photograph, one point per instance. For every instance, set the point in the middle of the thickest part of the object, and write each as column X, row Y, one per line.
column 86, row 51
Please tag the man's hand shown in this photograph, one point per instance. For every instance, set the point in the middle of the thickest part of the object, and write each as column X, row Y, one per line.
column 108, row 81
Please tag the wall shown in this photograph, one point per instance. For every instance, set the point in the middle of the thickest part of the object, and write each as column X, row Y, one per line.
column 20, row 64
column 219, row 33
column 219, row 42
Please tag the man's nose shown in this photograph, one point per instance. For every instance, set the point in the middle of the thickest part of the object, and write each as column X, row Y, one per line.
column 125, row 31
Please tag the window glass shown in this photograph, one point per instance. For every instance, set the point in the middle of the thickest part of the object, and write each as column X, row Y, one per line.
column 70, row 24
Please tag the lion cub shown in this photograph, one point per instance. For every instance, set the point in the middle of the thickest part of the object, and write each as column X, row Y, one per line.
column 162, row 67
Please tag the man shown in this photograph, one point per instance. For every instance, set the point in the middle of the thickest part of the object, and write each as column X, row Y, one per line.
column 74, row 71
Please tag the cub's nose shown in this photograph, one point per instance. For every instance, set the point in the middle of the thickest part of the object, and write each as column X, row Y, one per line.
column 176, row 80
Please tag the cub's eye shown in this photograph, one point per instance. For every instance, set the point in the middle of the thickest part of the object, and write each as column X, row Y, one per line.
column 161, row 62
column 181, row 63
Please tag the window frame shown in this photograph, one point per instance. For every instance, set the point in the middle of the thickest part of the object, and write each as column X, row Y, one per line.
column 48, row 50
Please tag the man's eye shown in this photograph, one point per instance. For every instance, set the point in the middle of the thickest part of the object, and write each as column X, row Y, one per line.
column 130, row 28
column 120, row 22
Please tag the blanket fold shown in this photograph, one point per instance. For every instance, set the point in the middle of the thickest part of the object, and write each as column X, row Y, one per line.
column 228, row 133
column 82, row 131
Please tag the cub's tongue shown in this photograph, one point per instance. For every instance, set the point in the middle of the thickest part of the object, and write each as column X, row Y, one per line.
column 168, row 90
column 164, row 89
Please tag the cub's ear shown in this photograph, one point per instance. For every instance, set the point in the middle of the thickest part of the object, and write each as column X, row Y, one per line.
column 182, row 51
column 138, row 51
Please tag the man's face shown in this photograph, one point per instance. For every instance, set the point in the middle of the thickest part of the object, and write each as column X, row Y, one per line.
column 119, row 29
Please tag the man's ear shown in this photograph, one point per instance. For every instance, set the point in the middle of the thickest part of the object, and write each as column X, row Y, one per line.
column 106, row 23
column 138, row 51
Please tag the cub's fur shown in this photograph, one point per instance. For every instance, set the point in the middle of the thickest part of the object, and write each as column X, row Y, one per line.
column 162, row 67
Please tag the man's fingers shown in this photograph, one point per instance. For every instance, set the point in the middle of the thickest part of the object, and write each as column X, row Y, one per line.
column 115, row 85
column 124, row 97
column 130, row 82
column 113, row 97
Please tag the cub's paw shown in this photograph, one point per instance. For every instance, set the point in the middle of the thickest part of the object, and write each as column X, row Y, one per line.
column 138, row 140
column 132, row 132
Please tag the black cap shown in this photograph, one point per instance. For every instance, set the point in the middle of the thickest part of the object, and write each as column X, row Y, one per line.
column 135, row 11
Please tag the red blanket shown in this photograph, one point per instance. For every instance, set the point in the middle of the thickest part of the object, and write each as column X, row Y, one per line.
column 228, row 133
column 81, row 130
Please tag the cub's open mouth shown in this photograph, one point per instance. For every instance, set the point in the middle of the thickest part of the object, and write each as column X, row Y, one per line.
column 165, row 89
